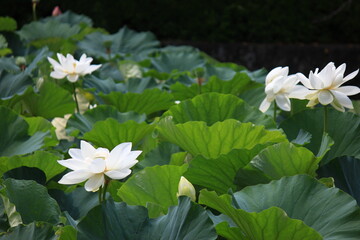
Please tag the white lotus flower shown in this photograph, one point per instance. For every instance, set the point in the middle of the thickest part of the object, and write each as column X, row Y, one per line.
column 185, row 188
column 72, row 68
column 325, row 87
column 281, row 87
column 93, row 164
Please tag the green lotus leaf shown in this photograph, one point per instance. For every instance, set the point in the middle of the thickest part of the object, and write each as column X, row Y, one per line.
column 4, row 50
column 221, row 71
column 31, row 200
column 66, row 233
column 13, row 84
column 85, row 122
column 7, row 24
column 158, row 184
column 37, row 57
column 285, row 159
column 110, row 133
column 45, row 161
column 346, row 138
column 150, row 101
column 138, row 85
column 257, row 75
column 76, row 203
column 331, row 212
column 121, row 221
column 177, row 60
column 269, row 224
column 199, row 139
column 345, row 171
column 12, row 217
column 255, row 95
column 52, row 101
column 187, row 220
column 70, row 17
column 111, row 70
column 32, row 231
column 161, row 155
column 37, row 124
column 302, row 138
column 9, row 65
column 125, row 41
column 15, row 138
column 47, row 30
column 219, row 174
column 216, row 107
column 99, row 85
column 238, row 84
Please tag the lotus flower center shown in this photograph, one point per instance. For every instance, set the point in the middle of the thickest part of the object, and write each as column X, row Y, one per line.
column 102, row 153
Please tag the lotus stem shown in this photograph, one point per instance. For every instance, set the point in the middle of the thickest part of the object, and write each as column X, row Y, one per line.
column 76, row 101
column 100, row 195
column 275, row 108
column 34, row 3
column 105, row 188
column 325, row 119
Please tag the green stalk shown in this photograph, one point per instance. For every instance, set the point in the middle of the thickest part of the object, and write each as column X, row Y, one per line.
column 275, row 108
column 34, row 3
column 325, row 119
column 76, row 101
column 100, row 195
column 105, row 188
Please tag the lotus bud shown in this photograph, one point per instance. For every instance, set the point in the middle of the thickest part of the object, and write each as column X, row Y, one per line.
column 56, row 11
column 186, row 189
column 21, row 62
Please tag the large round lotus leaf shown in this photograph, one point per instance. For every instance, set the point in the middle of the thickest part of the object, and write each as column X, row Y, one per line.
column 32, row 201
column 85, row 122
column 33, row 231
column 343, row 128
column 238, row 84
column 45, row 161
column 46, row 30
column 331, row 212
column 149, row 101
column 346, row 174
column 121, row 221
column 77, row 203
column 123, row 42
column 222, row 137
column 216, row 107
column 158, row 184
column 285, row 159
column 52, row 101
column 269, row 224
column 110, row 133
column 13, row 84
column 219, row 174
column 70, row 18
column 105, row 86
column 179, row 61
column 14, row 138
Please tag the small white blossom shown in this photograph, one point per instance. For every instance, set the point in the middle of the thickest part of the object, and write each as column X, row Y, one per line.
column 325, row 87
column 91, row 164
column 280, row 87
column 72, row 68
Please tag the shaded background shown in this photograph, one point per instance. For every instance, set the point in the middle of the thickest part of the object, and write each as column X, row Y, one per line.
column 259, row 33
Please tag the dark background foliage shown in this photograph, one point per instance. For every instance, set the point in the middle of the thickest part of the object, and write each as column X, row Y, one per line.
column 260, row 21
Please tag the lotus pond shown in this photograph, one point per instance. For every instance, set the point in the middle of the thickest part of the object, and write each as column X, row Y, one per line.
column 113, row 136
